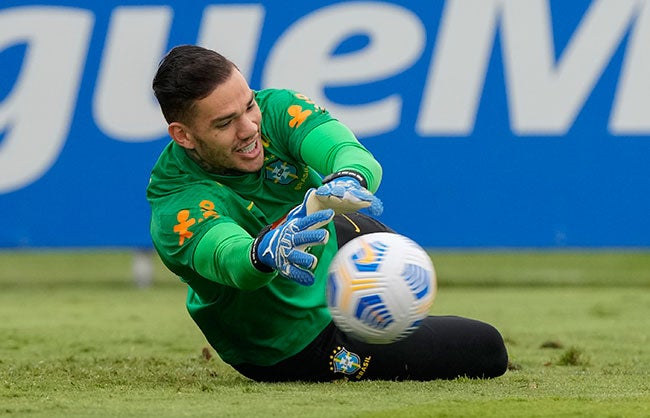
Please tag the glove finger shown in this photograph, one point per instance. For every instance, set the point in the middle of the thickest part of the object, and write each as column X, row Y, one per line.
column 298, row 275
column 310, row 237
column 302, row 260
column 315, row 220
column 323, row 190
column 358, row 194
column 376, row 207
column 339, row 205
column 331, row 190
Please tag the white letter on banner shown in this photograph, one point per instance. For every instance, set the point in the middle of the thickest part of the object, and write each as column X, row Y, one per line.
column 124, row 106
column 546, row 97
column 301, row 58
column 459, row 64
column 36, row 116
column 631, row 114
column 233, row 31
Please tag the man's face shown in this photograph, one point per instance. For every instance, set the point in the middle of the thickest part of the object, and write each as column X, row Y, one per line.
column 224, row 134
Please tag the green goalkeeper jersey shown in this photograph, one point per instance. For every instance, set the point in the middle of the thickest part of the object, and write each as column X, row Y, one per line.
column 203, row 226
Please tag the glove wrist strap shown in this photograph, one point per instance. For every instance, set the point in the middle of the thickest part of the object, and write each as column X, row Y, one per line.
column 347, row 173
column 255, row 260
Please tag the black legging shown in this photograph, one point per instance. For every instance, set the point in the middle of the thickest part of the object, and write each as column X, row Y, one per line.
column 443, row 347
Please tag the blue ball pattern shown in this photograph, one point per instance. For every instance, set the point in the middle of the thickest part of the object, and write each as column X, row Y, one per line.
column 372, row 311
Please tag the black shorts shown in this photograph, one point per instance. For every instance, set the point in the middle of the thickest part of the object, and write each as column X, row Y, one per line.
column 443, row 347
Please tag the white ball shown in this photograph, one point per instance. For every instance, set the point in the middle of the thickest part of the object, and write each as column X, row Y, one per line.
column 380, row 287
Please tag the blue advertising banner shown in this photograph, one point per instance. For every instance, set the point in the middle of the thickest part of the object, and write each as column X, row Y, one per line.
column 499, row 123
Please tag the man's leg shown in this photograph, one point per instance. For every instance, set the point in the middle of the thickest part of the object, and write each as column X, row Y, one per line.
column 443, row 347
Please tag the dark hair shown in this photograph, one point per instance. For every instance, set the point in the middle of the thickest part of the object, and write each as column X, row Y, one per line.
column 186, row 74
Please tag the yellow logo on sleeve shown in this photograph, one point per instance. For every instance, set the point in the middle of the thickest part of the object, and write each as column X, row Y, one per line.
column 182, row 228
column 299, row 115
column 185, row 222
column 207, row 207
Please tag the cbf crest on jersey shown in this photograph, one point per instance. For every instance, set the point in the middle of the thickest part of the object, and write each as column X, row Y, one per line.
column 281, row 172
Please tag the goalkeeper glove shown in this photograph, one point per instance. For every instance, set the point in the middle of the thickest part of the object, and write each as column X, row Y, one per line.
column 345, row 191
column 282, row 247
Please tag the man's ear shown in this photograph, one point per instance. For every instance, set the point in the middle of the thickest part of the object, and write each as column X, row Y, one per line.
column 180, row 134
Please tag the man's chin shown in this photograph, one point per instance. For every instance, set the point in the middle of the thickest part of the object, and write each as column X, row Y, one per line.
column 253, row 166
column 249, row 168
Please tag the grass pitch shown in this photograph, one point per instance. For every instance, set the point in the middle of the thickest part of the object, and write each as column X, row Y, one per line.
column 78, row 338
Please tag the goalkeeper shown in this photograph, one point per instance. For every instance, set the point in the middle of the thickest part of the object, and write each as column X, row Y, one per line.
column 250, row 201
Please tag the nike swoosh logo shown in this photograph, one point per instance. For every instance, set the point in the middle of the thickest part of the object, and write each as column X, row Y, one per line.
column 356, row 227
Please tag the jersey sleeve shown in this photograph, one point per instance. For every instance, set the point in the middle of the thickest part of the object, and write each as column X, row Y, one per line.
column 222, row 255
column 332, row 147
column 197, row 239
